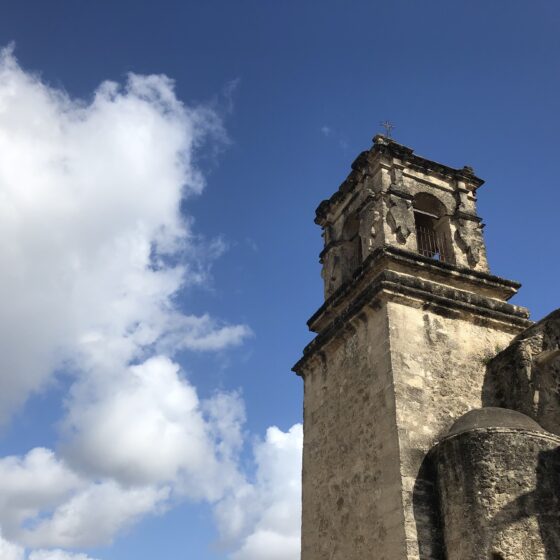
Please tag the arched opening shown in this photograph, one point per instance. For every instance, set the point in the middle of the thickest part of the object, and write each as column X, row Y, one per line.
column 496, row 556
column 431, row 233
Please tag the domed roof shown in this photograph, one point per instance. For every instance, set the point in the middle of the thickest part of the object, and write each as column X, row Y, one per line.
column 494, row 417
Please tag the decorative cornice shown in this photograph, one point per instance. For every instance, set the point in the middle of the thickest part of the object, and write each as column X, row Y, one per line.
column 439, row 298
column 416, row 261
column 466, row 216
column 400, row 193
column 444, row 292
column 384, row 146
column 388, row 146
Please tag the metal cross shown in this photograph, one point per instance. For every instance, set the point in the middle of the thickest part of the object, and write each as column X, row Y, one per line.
column 388, row 126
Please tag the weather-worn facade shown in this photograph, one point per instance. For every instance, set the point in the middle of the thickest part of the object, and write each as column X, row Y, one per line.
column 432, row 407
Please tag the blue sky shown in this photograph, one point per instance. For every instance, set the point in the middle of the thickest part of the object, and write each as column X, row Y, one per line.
column 299, row 89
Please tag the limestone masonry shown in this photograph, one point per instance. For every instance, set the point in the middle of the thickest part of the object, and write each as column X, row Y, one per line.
column 432, row 406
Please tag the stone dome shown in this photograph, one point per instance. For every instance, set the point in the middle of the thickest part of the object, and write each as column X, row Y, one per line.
column 494, row 417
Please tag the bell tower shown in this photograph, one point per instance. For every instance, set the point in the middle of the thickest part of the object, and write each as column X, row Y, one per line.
column 411, row 318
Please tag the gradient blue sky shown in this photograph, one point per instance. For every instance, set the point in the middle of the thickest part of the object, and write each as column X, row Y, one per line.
column 302, row 87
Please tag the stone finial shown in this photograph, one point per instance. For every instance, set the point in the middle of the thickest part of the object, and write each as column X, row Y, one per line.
column 381, row 140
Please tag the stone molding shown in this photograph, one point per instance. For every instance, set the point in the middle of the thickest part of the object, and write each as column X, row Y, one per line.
column 439, row 298
column 389, row 148
column 445, row 273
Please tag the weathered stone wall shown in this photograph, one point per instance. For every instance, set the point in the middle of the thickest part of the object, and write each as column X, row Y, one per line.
column 378, row 396
column 352, row 506
column 499, row 490
column 403, row 343
column 438, row 363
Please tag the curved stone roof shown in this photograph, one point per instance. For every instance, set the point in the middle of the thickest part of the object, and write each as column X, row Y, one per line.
column 493, row 417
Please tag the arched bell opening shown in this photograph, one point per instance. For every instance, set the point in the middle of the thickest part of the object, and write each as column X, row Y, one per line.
column 432, row 228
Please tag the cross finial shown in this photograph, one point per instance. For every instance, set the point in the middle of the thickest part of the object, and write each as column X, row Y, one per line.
column 388, row 127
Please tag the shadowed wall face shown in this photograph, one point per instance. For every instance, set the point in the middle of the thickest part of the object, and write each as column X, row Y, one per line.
column 499, row 494
column 526, row 375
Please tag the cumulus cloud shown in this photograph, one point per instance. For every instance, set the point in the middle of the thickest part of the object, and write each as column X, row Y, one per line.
column 95, row 249
column 10, row 551
column 94, row 515
column 90, row 224
column 30, row 484
column 157, row 429
column 82, row 512
column 262, row 518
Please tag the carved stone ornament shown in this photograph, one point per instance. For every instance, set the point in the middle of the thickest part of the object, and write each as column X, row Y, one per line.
column 469, row 242
column 368, row 220
column 397, row 176
column 400, row 218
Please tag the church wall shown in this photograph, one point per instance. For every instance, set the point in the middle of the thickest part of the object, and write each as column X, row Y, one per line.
column 438, row 366
column 499, row 492
column 351, row 482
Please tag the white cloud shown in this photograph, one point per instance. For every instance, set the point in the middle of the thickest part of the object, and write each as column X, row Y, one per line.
column 134, row 452
column 30, row 484
column 263, row 517
column 89, row 216
column 94, row 515
column 57, row 555
column 206, row 334
column 10, row 551
column 94, row 252
column 147, row 427
column 151, row 418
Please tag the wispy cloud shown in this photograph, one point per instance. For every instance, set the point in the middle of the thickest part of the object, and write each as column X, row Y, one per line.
column 334, row 136
column 229, row 93
column 57, row 554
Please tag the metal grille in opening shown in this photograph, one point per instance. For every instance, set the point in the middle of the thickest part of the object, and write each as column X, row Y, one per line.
column 432, row 244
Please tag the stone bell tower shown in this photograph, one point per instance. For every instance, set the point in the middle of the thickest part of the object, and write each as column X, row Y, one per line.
column 411, row 319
